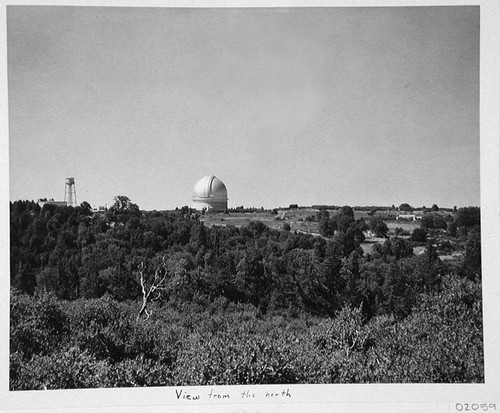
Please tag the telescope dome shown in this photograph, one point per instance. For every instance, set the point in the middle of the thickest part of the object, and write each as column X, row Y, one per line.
column 210, row 193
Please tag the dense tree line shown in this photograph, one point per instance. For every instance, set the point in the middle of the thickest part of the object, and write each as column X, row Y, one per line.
column 65, row 259
column 77, row 254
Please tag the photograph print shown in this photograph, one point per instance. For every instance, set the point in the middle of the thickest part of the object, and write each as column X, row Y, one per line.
column 243, row 196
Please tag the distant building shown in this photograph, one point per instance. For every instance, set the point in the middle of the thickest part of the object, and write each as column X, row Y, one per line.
column 69, row 196
column 42, row 202
column 210, row 193
column 408, row 217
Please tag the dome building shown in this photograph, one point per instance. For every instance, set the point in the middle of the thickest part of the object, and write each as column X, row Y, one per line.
column 210, row 193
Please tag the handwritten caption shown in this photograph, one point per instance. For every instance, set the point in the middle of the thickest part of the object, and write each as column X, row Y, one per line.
column 213, row 394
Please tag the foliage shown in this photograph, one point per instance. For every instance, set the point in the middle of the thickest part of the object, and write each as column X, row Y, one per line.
column 433, row 221
column 418, row 235
column 440, row 341
column 225, row 343
column 468, row 217
column 405, row 207
column 37, row 324
column 240, row 305
column 472, row 262
column 379, row 227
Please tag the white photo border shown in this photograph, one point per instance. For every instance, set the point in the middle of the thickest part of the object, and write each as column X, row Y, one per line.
column 357, row 397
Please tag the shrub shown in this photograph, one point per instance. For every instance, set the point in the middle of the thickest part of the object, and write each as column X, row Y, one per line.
column 68, row 369
column 440, row 342
column 38, row 324
column 109, row 330
column 229, row 359
column 342, row 342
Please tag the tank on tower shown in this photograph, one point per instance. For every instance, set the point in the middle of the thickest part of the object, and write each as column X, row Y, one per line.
column 210, row 193
column 70, row 192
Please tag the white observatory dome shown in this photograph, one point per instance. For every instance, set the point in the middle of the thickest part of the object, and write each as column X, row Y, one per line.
column 210, row 193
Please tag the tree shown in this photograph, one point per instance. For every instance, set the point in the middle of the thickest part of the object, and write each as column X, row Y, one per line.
column 123, row 203
column 48, row 280
column 86, row 208
column 452, row 228
column 472, row 262
column 253, row 278
column 468, row 217
column 433, row 221
column 326, row 225
column 351, row 239
column 405, row 207
column 398, row 248
column 344, row 222
column 317, row 282
column 434, row 208
column 378, row 227
column 427, row 222
column 198, row 236
column 347, row 210
column 418, row 235
column 286, row 227
column 349, row 274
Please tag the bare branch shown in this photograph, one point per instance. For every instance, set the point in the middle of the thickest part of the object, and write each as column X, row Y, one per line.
column 156, row 284
column 141, row 272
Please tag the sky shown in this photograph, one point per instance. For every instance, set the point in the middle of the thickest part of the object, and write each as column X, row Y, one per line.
column 330, row 105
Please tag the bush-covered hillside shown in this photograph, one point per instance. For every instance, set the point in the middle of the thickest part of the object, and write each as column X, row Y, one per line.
column 234, row 305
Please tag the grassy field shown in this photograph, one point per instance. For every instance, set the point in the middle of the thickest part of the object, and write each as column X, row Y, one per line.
column 295, row 218
column 406, row 225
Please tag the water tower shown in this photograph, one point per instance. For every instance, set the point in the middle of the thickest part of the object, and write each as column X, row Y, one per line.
column 70, row 192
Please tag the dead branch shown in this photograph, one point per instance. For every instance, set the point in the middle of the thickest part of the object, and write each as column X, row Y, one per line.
column 156, row 286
